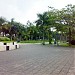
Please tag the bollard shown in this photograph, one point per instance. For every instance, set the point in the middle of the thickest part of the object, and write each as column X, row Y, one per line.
column 15, row 46
column 7, row 48
column 5, row 43
column 13, row 43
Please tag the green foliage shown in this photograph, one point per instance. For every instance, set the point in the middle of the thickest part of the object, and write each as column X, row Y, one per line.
column 4, row 39
column 33, row 41
column 2, row 20
column 62, row 21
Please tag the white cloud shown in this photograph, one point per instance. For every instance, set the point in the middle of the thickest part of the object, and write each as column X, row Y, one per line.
column 23, row 10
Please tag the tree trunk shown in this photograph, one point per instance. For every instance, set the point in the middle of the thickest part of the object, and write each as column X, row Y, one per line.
column 50, row 39
column 11, row 38
column 69, row 36
column 3, row 34
column 43, row 39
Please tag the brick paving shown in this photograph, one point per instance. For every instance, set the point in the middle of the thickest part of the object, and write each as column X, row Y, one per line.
column 36, row 59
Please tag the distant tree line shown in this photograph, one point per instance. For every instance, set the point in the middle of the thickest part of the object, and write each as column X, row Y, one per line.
column 52, row 24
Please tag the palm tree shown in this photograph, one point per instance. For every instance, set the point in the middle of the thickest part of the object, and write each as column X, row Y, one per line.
column 41, row 22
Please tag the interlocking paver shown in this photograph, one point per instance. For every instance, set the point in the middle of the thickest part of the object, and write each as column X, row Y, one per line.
column 37, row 59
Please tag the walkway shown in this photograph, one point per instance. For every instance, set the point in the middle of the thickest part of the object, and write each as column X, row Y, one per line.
column 36, row 59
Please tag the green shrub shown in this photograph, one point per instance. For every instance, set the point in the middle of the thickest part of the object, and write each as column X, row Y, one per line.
column 4, row 39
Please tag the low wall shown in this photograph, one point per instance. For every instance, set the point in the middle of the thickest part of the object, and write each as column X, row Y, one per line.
column 8, row 46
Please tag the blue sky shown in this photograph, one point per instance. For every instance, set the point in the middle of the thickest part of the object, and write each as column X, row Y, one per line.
column 24, row 10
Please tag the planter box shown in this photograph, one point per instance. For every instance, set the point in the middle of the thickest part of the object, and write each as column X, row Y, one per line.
column 8, row 46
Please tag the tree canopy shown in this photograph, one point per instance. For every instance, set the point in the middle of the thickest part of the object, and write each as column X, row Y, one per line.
column 48, row 25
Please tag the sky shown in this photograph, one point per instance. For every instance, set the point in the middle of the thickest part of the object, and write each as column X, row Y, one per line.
column 24, row 10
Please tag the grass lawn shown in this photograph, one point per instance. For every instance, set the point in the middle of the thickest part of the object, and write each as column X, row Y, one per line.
column 33, row 41
column 26, row 41
column 7, row 41
column 64, row 44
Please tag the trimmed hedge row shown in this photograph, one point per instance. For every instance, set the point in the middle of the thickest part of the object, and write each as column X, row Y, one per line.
column 4, row 39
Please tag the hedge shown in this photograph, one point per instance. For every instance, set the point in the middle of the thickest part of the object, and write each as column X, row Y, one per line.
column 4, row 39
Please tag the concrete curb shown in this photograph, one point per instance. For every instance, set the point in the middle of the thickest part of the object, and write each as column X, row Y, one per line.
column 8, row 46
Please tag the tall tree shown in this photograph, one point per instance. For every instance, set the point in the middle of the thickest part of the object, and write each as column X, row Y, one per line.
column 2, row 21
column 69, row 19
column 41, row 22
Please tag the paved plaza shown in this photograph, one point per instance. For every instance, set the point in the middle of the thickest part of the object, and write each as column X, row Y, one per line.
column 37, row 59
